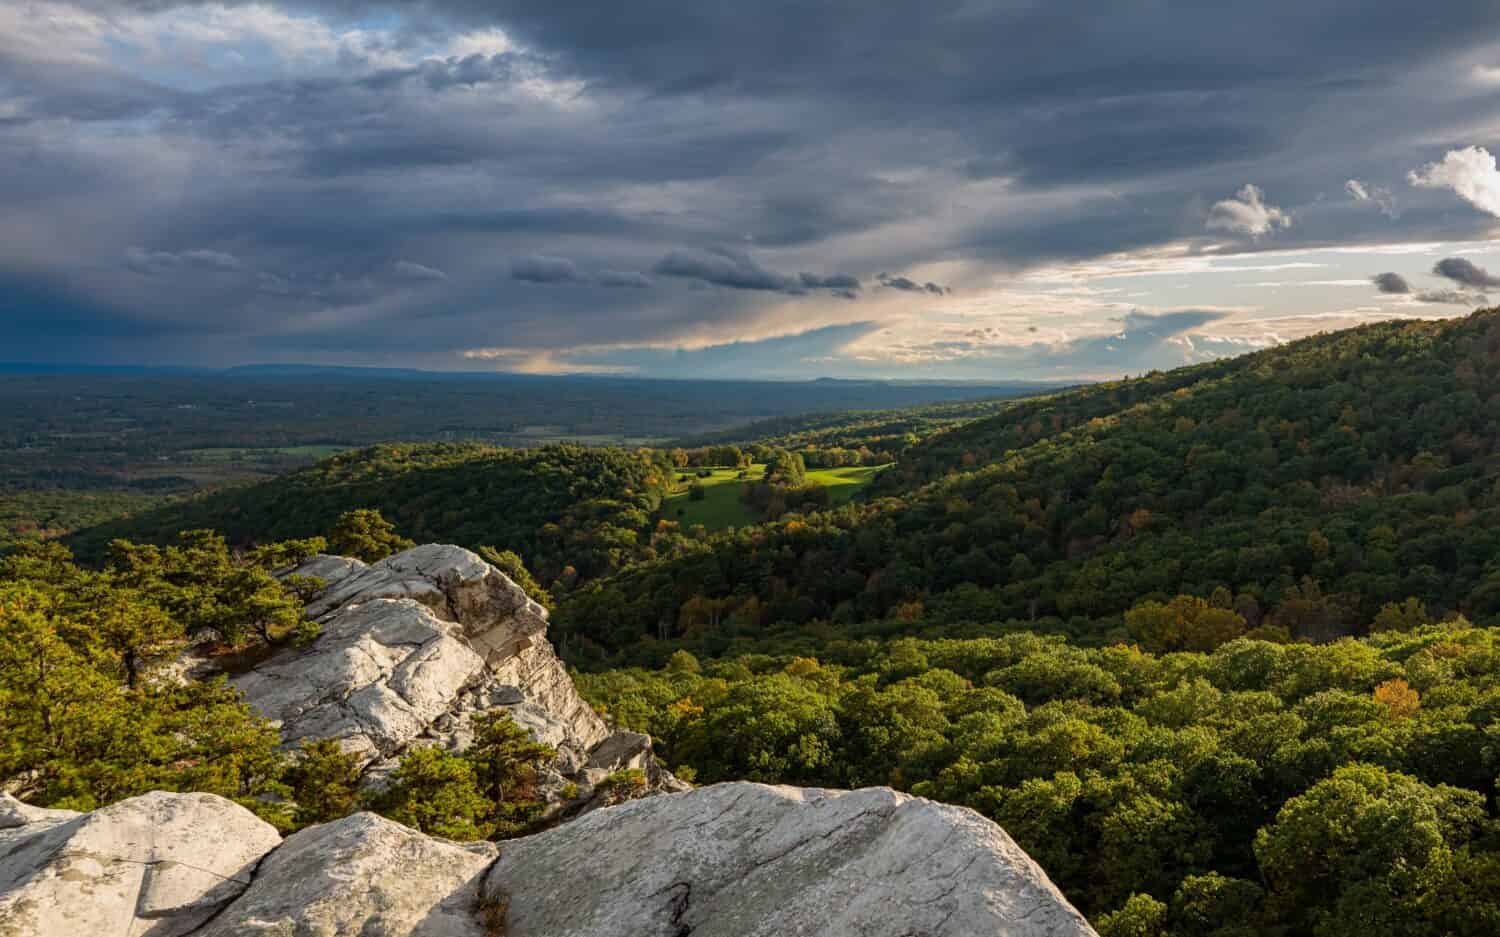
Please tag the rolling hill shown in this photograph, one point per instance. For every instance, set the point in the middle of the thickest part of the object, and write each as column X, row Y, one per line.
column 1313, row 483
column 569, row 510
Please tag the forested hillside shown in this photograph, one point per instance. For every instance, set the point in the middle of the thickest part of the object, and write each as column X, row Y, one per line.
column 1341, row 790
column 1314, row 483
column 571, row 511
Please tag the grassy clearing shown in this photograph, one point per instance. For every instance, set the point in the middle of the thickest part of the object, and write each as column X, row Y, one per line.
column 842, row 483
column 721, row 506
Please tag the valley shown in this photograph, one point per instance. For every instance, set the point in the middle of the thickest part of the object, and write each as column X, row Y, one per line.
column 1171, row 633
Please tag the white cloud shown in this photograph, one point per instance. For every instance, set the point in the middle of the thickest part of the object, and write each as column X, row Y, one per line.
column 1470, row 172
column 1378, row 196
column 485, row 42
column 1247, row 213
column 1485, row 75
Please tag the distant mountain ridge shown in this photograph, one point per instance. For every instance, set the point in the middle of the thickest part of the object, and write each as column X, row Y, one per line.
column 278, row 370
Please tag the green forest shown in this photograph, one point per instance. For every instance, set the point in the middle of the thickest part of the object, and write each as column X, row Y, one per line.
column 1261, row 788
column 1316, row 482
column 572, row 511
column 1217, row 646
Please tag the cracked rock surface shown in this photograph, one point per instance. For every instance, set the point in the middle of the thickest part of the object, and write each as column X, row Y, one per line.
column 748, row 860
column 413, row 648
column 362, row 875
column 731, row 860
column 158, row 865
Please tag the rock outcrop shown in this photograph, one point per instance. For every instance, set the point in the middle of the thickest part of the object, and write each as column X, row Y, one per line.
column 747, row 860
column 158, row 865
column 732, row 860
column 416, row 645
column 413, row 648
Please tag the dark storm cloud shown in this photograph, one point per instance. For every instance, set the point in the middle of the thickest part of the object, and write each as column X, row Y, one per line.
column 1452, row 297
column 675, row 45
column 1153, row 147
column 722, row 266
column 564, row 270
column 623, row 278
column 1464, row 272
column 1391, row 283
column 908, row 285
column 993, row 137
column 838, row 281
column 542, row 269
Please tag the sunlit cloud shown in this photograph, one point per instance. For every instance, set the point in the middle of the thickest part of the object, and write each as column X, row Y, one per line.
column 1470, row 172
column 1247, row 213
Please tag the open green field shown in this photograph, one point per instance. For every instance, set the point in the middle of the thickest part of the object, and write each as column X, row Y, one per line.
column 842, row 483
column 721, row 506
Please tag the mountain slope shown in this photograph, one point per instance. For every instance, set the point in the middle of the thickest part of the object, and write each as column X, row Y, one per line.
column 1315, row 482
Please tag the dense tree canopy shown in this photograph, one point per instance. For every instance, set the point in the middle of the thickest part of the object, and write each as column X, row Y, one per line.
column 84, row 720
column 1342, row 789
column 571, row 512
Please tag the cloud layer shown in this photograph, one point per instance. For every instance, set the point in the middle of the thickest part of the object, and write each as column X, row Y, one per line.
column 382, row 183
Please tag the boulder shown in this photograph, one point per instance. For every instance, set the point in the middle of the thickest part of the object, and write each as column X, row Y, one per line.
column 748, row 860
column 362, row 875
column 158, row 865
column 731, row 860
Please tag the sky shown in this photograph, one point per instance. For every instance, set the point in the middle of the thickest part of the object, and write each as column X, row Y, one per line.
column 912, row 189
